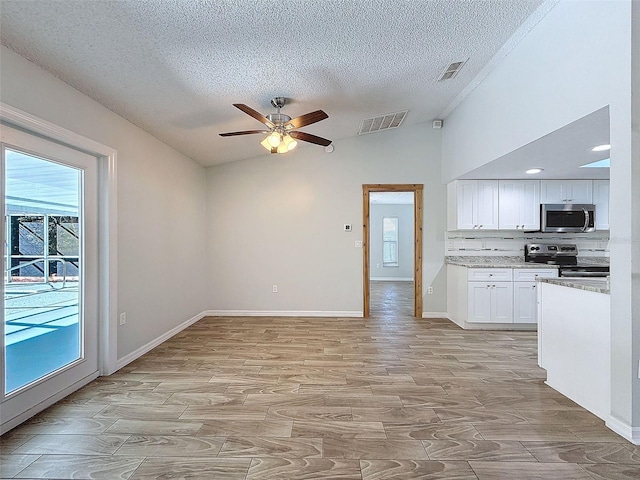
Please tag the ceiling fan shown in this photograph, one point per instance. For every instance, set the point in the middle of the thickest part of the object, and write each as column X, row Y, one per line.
column 282, row 133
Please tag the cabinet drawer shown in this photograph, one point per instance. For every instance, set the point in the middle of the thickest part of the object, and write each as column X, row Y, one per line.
column 530, row 274
column 492, row 274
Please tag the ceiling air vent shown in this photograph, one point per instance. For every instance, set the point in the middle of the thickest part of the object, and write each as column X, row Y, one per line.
column 383, row 122
column 451, row 71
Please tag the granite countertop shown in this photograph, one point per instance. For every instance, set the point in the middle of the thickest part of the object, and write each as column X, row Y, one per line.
column 494, row 262
column 505, row 261
column 597, row 285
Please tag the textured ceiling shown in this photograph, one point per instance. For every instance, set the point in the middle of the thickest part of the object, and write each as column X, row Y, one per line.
column 175, row 67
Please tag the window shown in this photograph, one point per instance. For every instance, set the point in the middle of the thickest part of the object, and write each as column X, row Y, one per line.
column 390, row 241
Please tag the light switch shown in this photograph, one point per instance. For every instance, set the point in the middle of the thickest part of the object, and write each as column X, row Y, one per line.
column 347, row 227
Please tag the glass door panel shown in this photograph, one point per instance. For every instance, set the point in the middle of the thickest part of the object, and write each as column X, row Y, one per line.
column 50, row 230
column 42, row 298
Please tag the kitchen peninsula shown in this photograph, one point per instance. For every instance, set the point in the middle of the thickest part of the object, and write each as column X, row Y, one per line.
column 574, row 340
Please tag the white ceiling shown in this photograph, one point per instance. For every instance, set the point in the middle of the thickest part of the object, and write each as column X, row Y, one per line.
column 174, row 68
column 561, row 153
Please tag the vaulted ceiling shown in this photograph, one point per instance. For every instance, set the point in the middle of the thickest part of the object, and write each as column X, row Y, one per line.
column 174, row 68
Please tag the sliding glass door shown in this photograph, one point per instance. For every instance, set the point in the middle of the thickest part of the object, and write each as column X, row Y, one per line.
column 50, row 262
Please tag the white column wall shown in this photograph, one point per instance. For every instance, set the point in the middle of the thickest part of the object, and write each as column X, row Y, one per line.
column 573, row 62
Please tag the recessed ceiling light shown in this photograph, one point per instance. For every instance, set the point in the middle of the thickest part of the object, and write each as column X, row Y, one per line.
column 601, row 148
column 533, row 171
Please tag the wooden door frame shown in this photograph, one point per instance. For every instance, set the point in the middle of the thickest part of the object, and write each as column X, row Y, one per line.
column 417, row 240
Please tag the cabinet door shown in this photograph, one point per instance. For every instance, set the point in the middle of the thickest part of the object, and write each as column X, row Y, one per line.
column 601, row 201
column 509, row 197
column 466, row 204
column 530, row 205
column 519, row 204
column 552, row 191
column 487, row 205
column 502, row 302
column 579, row 191
column 479, row 302
column 524, row 302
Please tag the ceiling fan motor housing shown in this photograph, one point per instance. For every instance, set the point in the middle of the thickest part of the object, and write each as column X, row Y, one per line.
column 278, row 118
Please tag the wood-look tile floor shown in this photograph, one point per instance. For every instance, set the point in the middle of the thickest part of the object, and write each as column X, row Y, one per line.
column 390, row 397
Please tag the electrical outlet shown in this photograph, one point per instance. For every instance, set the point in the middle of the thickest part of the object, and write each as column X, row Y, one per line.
column 274, row 289
column 358, row 244
column 430, row 290
column 347, row 227
column 123, row 318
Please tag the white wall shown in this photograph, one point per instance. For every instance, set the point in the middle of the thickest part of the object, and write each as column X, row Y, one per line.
column 161, row 204
column 404, row 214
column 278, row 219
column 575, row 61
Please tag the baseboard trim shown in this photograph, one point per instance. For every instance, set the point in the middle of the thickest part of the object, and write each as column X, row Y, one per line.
column 127, row 359
column 435, row 315
column 624, row 429
column 283, row 313
column 46, row 403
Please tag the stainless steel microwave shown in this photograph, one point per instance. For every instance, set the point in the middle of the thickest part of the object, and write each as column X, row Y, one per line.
column 567, row 217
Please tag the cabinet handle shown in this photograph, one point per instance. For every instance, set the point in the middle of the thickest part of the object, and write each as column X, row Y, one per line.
column 491, row 274
column 533, row 286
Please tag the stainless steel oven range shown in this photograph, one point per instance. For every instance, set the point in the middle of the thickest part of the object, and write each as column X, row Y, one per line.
column 565, row 256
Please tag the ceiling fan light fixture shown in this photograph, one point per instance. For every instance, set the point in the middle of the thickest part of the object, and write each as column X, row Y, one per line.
column 274, row 139
column 289, row 143
column 265, row 143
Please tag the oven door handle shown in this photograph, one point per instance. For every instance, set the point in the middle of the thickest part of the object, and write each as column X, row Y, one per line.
column 586, row 219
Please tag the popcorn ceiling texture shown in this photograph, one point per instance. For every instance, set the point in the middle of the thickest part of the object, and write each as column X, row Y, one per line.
column 175, row 67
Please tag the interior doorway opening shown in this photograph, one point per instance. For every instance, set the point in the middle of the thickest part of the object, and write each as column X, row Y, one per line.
column 391, row 281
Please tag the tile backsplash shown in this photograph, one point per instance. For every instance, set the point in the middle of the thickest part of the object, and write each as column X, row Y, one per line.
column 511, row 243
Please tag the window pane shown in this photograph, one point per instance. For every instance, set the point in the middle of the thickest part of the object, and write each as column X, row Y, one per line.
column 390, row 241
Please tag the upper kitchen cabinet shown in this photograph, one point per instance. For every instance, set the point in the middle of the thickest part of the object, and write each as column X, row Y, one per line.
column 601, row 201
column 519, row 204
column 473, row 205
column 566, row 191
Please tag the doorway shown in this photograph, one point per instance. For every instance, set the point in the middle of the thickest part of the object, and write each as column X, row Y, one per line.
column 50, row 288
column 392, row 290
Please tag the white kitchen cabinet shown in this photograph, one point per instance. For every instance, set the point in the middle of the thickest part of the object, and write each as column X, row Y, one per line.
column 473, row 205
column 566, row 191
column 519, row 204
column 524, row 302
column 490, row 295
column 477, row 296
column 525, row 305
column 490, row 302
column 601, row 201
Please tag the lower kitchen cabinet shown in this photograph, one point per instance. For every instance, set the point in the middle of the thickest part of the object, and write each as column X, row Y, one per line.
column 504, row 296
column 525, row 307
column 525, row 298
column 490, row 302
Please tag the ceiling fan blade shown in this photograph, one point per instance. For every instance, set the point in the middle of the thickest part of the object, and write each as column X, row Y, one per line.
column 307, row 119
column 244, row 132
column 307, row 137
column 257, row 115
